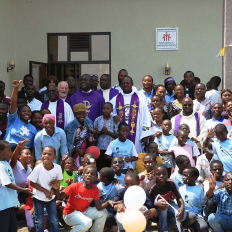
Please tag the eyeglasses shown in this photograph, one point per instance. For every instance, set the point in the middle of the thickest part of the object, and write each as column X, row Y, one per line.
column 187, row 104
column 117, row 162
column 94, row 75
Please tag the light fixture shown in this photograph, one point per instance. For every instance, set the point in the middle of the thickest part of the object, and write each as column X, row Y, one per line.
column 167, row 69
column 10, row 65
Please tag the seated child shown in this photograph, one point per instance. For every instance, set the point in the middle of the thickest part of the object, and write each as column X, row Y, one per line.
column 89, row 159
column 204, row 160
column 223, row 147
column 40, row 179
column 122, row 147
column 221, row 221
column 183, row 148
column 117, row 164
column 152, row 147
column 167, row 189
column 149, row 161
column 182, row 162
column 164, row 141
column 131, row 179
column 77, row 212
column 8, row 190
column 216, row 168
column 105, row 130
column 192, row 195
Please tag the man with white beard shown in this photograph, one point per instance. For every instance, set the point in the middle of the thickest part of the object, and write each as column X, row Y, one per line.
column 63, row 91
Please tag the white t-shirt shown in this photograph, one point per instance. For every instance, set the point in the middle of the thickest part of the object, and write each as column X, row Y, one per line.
column 106, row 94
column 43, row 177
column 34, row 104
column 68, row 113
column 214, row 95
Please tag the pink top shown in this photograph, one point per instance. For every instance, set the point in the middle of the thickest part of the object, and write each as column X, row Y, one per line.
column 185, row 150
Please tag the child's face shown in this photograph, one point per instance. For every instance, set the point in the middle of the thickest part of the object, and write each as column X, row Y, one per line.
column 166, row 126
column 89, row 175
column 187, row 177
column 130, row 181
column 217, row 169
column 185, row 128
column 25, row 156
column 161, row 175
column 157, row 115
column 69, row 165
column 182, row 138
column 48, row 155
column 45, row 111
column 228, row 181
column 161, row 92
column 80, row 116
column 107, row 109
column 149, row 163
column 221, row 135
column 89, row 161
column 36, row 120
column 6, row 153
column 117, row 163
column 185, row 164
column 123, row 132
column 153, row 148
column 155, row 101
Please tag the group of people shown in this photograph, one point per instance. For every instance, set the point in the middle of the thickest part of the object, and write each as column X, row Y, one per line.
column 68, row 155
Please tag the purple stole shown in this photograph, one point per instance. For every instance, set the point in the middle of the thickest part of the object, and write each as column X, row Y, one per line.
column 133, row 115
column 59, row 112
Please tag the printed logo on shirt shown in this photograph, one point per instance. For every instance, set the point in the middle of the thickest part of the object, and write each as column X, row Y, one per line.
column 24, row 130
column 89, row 199
column 88, row 106
column 225, row 152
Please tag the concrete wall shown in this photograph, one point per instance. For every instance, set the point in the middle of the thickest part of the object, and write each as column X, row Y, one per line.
column 132, row 25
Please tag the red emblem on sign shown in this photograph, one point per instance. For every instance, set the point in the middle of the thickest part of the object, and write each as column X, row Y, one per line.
column 166, row 37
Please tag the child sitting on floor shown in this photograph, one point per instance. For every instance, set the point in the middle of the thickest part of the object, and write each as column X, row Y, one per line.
column 149, row 161
column 221, row 221
column 164, row 141
column 192, row 195
column 117, row 164
column 122, row 147
column 182, row 162
column 77, row 212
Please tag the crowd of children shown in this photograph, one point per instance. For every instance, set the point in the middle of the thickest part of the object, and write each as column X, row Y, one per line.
column 47, row 176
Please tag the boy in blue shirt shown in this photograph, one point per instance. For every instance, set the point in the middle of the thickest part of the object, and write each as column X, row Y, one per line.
column 117, row 164
column 221, row 221
column 122, row 147
column 8, row 189
column 223, row 147
column 192, row 195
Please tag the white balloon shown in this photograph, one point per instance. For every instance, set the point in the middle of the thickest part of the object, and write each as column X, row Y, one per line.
column 134, row 221
column 134, row 197
column 119, row 217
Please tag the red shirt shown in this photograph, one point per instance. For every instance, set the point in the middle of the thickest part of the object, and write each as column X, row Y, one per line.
column 79, row 197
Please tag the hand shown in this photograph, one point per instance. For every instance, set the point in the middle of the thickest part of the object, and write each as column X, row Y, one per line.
column 150, row 213
column 16, row 83
column 162, row 204
column 116, row 119
column 127, row 159
column 69, row 181
column 202, row 180
column 55, row 184
column 65, row 157
column 180, row 214
column 95, row 131
column 172, row 170
column 21, row 144
column 141, row 178
column 195, row 140
column 119, row 208
column 150, row 176
column 212, row 181
column 61, row 188
column 80, row 170
column 144, row 140
column 27, row 191
column 59, row 205
column 128, row 169
column 111, row 203
column 210, row 133
column 48, row 194
column 158, row 134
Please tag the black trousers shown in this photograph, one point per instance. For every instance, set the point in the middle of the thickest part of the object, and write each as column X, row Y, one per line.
column 8, row 221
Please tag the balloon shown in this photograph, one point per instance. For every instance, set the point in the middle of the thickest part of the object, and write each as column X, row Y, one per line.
column 93, row 150
column 134, row 197
column 119, row 217
column 134, row 221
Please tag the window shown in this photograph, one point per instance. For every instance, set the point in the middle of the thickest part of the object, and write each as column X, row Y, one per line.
column 74, row 54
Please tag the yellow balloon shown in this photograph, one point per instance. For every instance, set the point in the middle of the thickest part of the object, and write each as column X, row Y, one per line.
column 134, row 221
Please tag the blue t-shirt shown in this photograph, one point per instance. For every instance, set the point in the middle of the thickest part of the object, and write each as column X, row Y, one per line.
column 178, row 179
column 192, row 197
column 122, row 149
column 224, row 153
column 121, row 179
column 8, row 196
column 107, row 192
column 18, row 131
column 164, row 143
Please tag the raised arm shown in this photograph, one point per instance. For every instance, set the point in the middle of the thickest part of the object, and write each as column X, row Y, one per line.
column 14, row 96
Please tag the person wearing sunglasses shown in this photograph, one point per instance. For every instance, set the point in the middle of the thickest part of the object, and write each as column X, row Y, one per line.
column 195, row 121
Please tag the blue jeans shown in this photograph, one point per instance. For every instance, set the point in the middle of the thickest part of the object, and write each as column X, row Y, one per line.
column 220, row 222
column 39, row 214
